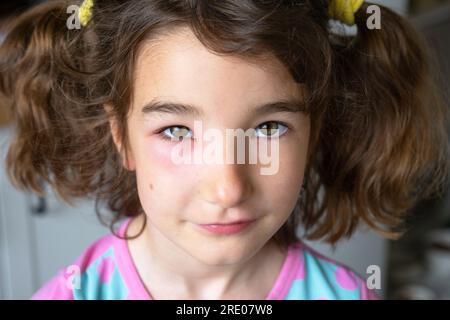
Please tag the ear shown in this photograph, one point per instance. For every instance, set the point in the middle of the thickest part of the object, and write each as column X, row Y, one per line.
column 129, row 163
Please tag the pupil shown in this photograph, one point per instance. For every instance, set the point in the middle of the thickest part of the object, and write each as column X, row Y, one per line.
column 271, row 126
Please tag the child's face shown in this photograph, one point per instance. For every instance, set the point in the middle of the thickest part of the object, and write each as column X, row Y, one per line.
column 178, row 198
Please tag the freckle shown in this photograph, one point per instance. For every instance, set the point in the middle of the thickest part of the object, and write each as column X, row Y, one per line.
column 151, row 186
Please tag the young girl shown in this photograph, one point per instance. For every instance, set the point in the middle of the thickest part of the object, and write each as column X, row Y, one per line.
column 100, row 109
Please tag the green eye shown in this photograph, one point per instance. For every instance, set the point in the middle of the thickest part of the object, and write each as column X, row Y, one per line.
column 176, row 133
column 272, row 129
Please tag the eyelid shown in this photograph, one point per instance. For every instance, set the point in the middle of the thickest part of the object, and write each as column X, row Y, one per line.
column 172, row 126
column 279, row 122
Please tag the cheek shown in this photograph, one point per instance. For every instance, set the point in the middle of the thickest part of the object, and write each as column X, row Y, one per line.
column 160, row 180
column 164, row 156
column 289, row 178
column 156, row 157
column 158, row 169
column 293, row 159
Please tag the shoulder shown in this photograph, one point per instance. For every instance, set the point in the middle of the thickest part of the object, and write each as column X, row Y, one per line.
column 319, row 277
column 94, row 275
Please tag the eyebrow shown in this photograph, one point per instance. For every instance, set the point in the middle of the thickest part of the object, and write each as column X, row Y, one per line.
column 156, row 106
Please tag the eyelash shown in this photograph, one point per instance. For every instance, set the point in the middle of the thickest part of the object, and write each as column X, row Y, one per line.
column 169, row 139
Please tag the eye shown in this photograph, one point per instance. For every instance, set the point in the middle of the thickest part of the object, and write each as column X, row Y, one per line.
column 175, row 133
column 271, row 129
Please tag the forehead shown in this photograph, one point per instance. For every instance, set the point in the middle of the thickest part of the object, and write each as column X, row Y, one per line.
column 178, row 67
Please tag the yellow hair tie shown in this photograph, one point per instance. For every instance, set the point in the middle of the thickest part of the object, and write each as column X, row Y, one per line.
column 344, row 10
column 85, row 12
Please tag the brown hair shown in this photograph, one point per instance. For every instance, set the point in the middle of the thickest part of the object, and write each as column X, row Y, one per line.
column 379, row 139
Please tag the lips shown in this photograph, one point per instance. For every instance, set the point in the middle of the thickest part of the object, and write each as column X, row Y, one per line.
column 228, row 223
column 227, row 228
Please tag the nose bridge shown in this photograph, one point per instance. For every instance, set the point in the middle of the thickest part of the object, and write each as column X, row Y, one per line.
column 227, row 181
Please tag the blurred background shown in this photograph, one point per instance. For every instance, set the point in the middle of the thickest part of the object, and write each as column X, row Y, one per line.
column 38, row 236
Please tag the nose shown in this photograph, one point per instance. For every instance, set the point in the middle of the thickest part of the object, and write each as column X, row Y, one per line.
column 228, row 185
